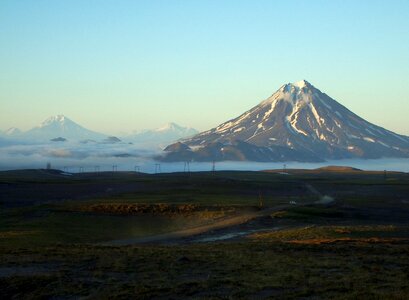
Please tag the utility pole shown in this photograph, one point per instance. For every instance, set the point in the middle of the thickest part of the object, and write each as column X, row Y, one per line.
column 157, row 169
column 114, row 168
column 186, row 166
column 214, row 166
column 260, row 198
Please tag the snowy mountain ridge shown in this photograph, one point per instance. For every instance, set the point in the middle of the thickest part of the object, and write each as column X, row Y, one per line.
column 60, row 126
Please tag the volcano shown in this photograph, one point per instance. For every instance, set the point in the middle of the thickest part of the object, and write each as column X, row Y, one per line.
column 297, row 123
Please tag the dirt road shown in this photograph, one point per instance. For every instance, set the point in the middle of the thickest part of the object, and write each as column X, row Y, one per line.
column 219, row 224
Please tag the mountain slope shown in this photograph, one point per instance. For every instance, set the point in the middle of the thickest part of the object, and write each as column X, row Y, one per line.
column 61, row 126
column 298, row 122
column 12, row 132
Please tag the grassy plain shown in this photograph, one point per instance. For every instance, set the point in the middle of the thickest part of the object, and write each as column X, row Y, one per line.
column 55, row 234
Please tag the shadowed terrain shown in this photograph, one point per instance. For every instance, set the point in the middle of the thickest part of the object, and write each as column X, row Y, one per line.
column 326, row 233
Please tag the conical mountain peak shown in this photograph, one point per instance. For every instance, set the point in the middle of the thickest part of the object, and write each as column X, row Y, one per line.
column 296, row 87
column 61, row 126
column 298, row 122
column 297, row 93
column 55, row 119
column 301, row 84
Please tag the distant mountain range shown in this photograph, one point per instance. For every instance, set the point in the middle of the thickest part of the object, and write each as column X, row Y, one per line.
column 59, row 128
column 297, row 123
column 54, row 127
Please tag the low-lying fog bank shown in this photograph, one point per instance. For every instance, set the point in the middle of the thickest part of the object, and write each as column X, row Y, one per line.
column 127, row 157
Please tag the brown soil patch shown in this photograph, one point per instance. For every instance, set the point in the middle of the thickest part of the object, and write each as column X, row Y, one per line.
column 155, row 209
column 13, row 233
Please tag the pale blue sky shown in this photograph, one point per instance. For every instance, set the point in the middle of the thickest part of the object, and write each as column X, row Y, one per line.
column 117, row 66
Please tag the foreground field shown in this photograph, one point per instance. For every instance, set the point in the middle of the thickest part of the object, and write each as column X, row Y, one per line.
column 253, row 268
column 307, row 234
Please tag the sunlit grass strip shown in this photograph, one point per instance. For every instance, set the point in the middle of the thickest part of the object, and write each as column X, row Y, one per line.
column 332, row 233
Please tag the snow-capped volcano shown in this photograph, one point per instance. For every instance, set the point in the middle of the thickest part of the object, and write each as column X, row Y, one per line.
column 163, row 135
column 177, row 129
column 297, row 122
column 61, row 126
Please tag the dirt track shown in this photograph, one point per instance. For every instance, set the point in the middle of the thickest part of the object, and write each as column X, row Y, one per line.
column 220, row 224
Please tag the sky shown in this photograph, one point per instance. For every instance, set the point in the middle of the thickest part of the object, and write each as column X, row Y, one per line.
column 117, row 66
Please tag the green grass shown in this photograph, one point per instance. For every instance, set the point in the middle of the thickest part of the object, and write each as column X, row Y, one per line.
column 238, row 270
